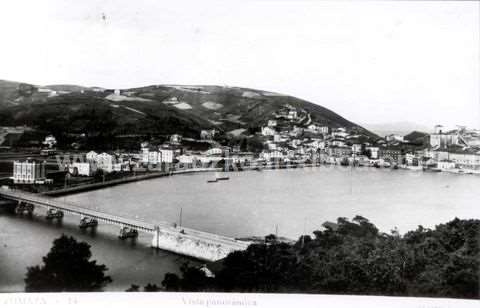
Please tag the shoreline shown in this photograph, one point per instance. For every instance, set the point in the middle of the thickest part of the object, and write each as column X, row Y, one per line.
column 130, row 179
column 153, row 175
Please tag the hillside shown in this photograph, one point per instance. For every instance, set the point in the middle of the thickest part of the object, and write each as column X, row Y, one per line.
column 151, row 110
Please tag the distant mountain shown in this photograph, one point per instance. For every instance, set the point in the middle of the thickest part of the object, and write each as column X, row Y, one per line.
column 151, row 110
column 66, row 88
column 399, row 128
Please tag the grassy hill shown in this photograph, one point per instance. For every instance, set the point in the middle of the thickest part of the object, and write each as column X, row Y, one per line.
column 151, row 110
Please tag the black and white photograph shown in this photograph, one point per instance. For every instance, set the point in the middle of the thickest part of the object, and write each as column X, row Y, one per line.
column 227, row 153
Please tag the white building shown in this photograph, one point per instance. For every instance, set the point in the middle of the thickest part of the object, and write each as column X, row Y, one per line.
column 292, row 114
column 272, row 123
column 314, row 128
column 81, row 169
column 214, row 152
column 176, row 139
column 91, row 156
column 337, row 142
column 442, row 140
column 186, row 159
column 29, row 172
column 373, row 152
column 208, row 134
column 153, row 157
column 271, row 155
column 446, row 164
column 356, row 148
column 50, row 141
column 105, row 162
column 145, row 155
column 463, row 159
column 268, row 131
column 165, row 156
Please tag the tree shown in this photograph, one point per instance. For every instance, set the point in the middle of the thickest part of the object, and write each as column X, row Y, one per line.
column 67, row 267
column 133, row 288
column 352, row 257
column 171, row 282
column 151, row 288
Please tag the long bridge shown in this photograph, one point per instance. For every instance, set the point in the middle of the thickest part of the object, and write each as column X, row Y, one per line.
column 167, row 236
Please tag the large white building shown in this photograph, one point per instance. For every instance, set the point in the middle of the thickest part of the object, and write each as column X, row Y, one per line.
column 29, row 172
column 462, row 159
column 91, row 156
column 442, row 140
column 105, row 162
column 81, row 168
column 165, row 156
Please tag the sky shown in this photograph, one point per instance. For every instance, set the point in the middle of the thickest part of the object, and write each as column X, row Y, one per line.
column 371, row 62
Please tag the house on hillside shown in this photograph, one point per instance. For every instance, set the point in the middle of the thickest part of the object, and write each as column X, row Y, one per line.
column 91, row 156
column 268, row 131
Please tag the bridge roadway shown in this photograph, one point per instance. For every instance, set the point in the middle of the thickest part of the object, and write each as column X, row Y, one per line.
column 180, row 233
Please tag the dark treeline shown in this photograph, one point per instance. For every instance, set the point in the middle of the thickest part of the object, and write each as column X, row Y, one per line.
column 352, row 257
column 349, row 257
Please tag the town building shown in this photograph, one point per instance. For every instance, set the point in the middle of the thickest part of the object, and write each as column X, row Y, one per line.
column 444, row 140
column 105, row 162
column 268, row 131
column 50, row 141
column 82, row 168
column 465, row 159
column 272, row 123
column 373, row 152
column 314, row 128
column 339, row 151
column 338, row 142
column 153, row 157
column 208, row 134
column 445, row 164
column 166, row 155
column 176, row 139
column 214, row 151
column 91, row 156
column 292, row 114
column 271, row 155
column 390, row 155
column 29, row 172
column 356, row 148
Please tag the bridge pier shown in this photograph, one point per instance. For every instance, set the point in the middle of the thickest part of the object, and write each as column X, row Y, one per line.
column 54, row 214
column 24, row 207
column 87, row 222
column 126, row 232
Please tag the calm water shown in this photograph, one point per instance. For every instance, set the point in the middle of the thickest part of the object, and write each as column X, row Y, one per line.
column 250, row 203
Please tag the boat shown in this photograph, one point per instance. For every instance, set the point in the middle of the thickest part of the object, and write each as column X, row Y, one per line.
column 212, row 181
